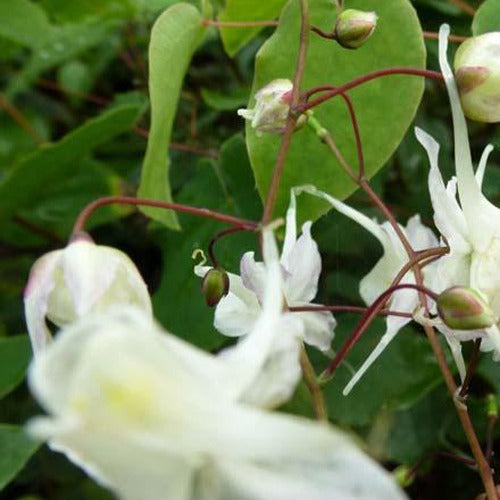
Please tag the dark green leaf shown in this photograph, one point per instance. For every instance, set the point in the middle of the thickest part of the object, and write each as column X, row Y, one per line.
column 15, row 353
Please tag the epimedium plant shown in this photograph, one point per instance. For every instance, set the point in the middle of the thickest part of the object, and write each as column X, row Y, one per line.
column 335, row 89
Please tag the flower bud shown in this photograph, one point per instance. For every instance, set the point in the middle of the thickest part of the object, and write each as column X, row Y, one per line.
column 477, row 73
column 66, row 284
column 272, row 104
column 354, row 27
column 215, row 285
column 462, row 308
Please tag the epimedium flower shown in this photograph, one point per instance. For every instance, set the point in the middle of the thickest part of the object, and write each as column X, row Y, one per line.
column 237, row 313
column 471, row 228
column 381, row 276
column 152, row 417
column 300, row 262
column 69, row 283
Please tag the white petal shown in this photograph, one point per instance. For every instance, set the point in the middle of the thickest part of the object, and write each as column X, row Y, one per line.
column 40, row 284
column 420, row 237
column 291, row 229
column 237, row 312
column 253, row 274
column 482, row 164
column 304, row 268
column 456, row 352
column 403, row 301
column 448, row 216
column 280, row 373
column 318, row 327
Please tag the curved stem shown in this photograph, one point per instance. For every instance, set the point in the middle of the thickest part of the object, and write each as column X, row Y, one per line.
column 130, row 200
column 292, row 116
column 358, row 309
column 217, row 237
column 313, row 386
column 334, row 91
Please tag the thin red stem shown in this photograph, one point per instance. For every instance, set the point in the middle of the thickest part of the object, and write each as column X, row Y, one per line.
column 356, row 309
column 217, row 237
column 334, row 91
column 292, row 116
column 129, row 200
column 19, row 118
column 452, row 38
column 367, row 319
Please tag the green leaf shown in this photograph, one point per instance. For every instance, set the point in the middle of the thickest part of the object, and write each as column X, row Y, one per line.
column 487, row 18
column 385, row 107
column 15, row 353
column 16, row 448
column 234, row 39
column 24, row 22
column 23, row 186
column 173, row 40
column 83, row 10
column 222, row 101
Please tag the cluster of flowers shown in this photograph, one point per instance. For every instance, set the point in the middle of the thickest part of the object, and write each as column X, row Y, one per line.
column 150, row 416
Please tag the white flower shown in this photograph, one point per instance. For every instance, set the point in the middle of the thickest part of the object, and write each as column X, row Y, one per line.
column 237, row 312
column 472, row 229
column 67, row 284
column 272, row 103
column 383, row 273
column 152, row 417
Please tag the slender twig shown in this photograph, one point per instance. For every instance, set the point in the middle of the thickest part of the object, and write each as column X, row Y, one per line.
column 452, row 38
column 292, row 116
column 19, row 118
column 238, row 24
column 323, row 34
column 366, row 320
column 313, row 386
column 39, row 230
column 129, row 200
column 468, row 9
column 217, row 237
column 471, row 368
column 334, row 91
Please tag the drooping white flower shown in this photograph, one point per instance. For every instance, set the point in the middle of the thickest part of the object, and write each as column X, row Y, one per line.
column 152, row 417
column 380, row 278
column 237, row 312
column 300, row 260
column 67, row 284
column 471, row 228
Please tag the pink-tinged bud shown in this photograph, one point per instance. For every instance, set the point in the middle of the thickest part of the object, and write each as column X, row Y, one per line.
column 462, row 308
column 66, row 284
column 354, row 27
column 215, row 285
column 272, row 104
column 477, row 73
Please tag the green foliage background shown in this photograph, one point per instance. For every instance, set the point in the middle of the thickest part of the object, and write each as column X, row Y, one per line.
column 74, row 108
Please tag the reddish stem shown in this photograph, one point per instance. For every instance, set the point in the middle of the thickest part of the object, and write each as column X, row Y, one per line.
column 217, row 237
column 452, row 38
column 334, row 91
column 367, row 319
column 356, row 309
column 129, row 200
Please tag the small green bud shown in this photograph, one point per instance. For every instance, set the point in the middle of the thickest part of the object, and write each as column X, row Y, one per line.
column 477, row 73
column 354, row 27
column 463, row 308
column 214, row 286
column 403, row 475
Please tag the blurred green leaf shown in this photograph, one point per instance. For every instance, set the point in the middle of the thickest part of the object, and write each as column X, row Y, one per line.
column 385, row 107
column 15, row 353
column 83, row 10
column 173, row 40
column 15, row 450
column 487, row 18
column 23, row 186
column 246, row 10
column 222, row 101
